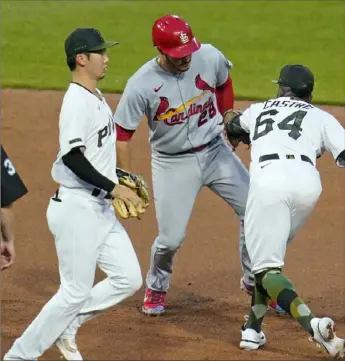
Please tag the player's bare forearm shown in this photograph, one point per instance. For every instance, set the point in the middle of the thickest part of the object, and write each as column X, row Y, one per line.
column 7, row 224
column 123, row 155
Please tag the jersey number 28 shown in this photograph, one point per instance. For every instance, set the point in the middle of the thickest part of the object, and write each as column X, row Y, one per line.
column 203, row 116
column 292, row 123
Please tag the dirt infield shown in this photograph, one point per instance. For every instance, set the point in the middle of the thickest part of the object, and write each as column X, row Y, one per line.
column 206, row 306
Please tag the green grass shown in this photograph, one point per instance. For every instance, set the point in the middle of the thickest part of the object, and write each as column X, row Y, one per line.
column 259, row 37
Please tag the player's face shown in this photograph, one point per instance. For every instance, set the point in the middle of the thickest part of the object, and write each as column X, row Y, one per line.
column 180, row 64
column 97, row 64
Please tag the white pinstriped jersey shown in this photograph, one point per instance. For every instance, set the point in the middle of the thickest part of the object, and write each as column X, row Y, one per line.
column 287, row 124
column 86, row 121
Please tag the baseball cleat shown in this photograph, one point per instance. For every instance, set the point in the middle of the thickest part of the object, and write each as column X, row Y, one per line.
column 275, row 307
column 68, row 349
column 252, row 340
column 248, row 289
column 154, row 303
column 324, row 334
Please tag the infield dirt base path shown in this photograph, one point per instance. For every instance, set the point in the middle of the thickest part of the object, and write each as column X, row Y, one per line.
column 206, row 306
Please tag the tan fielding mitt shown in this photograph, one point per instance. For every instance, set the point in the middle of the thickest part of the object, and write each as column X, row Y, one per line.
column 135, row 182
column 124, row 207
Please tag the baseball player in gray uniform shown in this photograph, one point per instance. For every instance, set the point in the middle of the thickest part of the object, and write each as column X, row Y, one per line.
column 80, row 215
column 287, row 134
column 183, row 93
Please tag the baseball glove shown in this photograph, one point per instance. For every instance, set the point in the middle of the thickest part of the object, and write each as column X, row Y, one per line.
column 126, row 209
column 233, row 130
column 137, row 184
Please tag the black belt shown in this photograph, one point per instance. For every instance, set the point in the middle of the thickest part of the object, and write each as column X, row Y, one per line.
column 273, row 156
column 96, row 192
column 196, row 149
column 56, row 196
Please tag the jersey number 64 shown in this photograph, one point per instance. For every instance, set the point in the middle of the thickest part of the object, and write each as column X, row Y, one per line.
column 292, row 123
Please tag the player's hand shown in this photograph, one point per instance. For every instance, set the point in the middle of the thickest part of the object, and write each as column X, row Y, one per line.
column 126, row 202
column 229, row 127
column 8, row 254
column 231, row 114
column 135, row 182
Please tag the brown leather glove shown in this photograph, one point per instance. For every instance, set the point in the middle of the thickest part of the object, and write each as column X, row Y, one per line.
column 233, row 131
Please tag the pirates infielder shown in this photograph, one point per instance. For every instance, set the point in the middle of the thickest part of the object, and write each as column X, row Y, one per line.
column 287, row 134
column 80, row 215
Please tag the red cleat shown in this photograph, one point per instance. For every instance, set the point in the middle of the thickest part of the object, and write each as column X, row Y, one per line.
column 154, row 302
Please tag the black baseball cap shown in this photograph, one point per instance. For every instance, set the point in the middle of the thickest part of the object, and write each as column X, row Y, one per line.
column 297, row 77
column 84, row 40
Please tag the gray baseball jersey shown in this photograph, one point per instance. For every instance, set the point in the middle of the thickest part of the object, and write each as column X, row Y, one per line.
column 182, row 114
column 181, row 109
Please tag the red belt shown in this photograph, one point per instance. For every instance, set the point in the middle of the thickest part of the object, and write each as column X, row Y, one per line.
column 194, row 150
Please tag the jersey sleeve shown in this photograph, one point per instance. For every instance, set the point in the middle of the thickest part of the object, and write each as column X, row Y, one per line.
column 333, row 137
column 130, row 108
column 74, row 122
column 245, row 120
column 12, row 186
column 223, row 65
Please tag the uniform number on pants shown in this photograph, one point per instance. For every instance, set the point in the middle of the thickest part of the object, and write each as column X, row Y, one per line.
column 292, row 123
column 210, row 111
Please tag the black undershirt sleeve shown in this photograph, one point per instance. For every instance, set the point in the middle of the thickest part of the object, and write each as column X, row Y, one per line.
column 82, row 168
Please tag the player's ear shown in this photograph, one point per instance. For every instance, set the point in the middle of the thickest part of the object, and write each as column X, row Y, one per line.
column 81, row 59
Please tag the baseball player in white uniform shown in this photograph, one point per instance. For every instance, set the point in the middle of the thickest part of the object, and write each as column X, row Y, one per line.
column 80, row 215
column 287, row 134
column 183, row 93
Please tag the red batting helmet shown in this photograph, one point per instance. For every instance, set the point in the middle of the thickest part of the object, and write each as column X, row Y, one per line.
column 174, row 37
